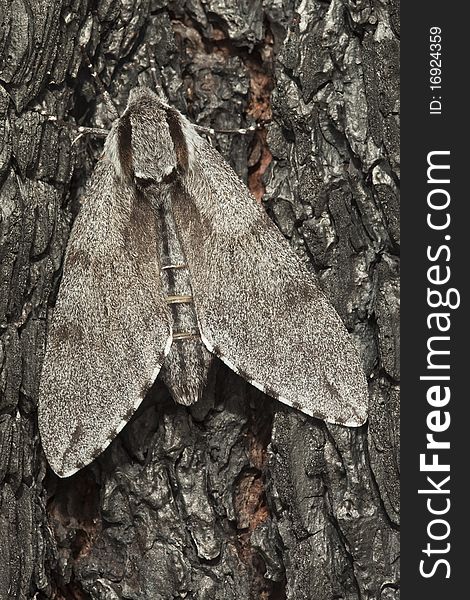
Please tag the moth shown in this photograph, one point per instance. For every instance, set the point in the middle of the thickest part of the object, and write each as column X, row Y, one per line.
column 170, row 263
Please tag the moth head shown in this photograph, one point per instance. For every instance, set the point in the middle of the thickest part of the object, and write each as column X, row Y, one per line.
column 147, row 144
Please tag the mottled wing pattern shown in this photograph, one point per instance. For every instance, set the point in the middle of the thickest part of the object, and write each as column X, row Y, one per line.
column 110, row 329
column 258, row 308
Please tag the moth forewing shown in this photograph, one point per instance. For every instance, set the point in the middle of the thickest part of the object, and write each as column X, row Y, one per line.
column 258, row 308
column 110, row 329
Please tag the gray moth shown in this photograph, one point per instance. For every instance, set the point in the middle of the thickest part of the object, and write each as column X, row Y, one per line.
column 170, row 262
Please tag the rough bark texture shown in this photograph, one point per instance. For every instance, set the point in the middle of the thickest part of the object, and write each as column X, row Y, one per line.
column 238, row 497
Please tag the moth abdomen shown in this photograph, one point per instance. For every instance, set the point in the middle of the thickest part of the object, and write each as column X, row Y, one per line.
column 186, row 366
column 174, row 266
column 180, row 299
column 181, row 336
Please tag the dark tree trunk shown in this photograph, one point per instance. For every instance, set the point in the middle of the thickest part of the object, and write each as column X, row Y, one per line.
column 238, row 497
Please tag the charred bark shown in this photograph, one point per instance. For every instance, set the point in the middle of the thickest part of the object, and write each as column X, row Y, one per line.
column 237, row 497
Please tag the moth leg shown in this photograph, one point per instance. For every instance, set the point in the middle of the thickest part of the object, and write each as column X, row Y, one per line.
column 113, row 111
column 95, row 131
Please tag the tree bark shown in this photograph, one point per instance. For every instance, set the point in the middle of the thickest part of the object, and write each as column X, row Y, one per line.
column 237, row 497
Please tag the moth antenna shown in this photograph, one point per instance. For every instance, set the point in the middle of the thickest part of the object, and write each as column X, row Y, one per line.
column 81, row 130
column 113, row 111
column 241, row 130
